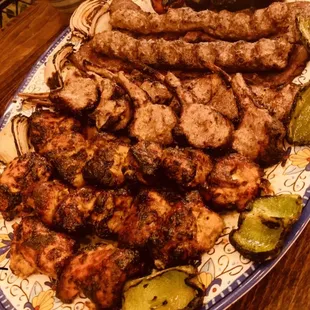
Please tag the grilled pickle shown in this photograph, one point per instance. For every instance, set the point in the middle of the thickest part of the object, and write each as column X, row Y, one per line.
column 171, row 289
column 262, row 230
column 298, row 128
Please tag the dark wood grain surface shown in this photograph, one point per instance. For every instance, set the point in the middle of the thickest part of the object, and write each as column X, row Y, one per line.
column 287, row 286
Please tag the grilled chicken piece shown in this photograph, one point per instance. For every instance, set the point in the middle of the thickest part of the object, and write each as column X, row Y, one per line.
column 36, row 249
column 187, row 167
column 259, row 136
column 234, row 181
column 44, row 125
column 100, row 273
column 188, row 230
column 173, row 228
column 262, row 55
column 145, row 161
column 211, row 90
column 68, row 152
column 111, row 209
column 278, row 101
column 17, row 182
column 79, row 94
column 111, row 114
column 201, row 124
column 108, row 165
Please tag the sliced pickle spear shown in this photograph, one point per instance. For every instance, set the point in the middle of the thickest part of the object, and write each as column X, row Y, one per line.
column 262, row 230
column 170, row 289
column 298, row 128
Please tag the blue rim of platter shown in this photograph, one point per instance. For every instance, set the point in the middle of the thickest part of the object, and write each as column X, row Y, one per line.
column 241, row 285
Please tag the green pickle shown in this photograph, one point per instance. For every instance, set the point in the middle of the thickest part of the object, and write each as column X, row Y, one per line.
column 303, row 24
column 299, row 126
column 170, row 289
column 262, row 230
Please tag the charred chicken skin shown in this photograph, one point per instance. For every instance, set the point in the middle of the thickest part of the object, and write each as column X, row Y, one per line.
column 17, row 182
column 36, row 249
column 234, row 181
column 100, row 273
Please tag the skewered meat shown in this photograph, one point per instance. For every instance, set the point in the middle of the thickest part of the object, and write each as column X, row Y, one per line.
column 18, row 179
column 259, row 136
column 112, row 113
column 45, row 125
column 188, row 230
column 277, row 101
column 100, row 273
column 111, row 209
column 68, row 152
column 175, row 229
column 262, row 55
column 295, row 67
column 229, row 26
column 201, row 124
column 36, row 249
column 234, row 181
column 187, row 167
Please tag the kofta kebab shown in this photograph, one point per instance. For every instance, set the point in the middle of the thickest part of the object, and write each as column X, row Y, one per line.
column 149, row 130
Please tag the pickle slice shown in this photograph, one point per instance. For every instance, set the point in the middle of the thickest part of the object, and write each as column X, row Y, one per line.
column 303, row 24
column 298, row 128
column 170, row 289
column 262, row 230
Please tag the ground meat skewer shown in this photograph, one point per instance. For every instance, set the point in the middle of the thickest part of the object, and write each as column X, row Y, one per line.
column 229, row 26
column 262, row 55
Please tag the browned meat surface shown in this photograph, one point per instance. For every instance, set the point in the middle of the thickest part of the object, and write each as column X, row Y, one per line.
column 99, row 273
column 111, row 114
column 259, row 136
column 202, row 125
column 187, row 167
column 36, row 249
column 176, row 230
column 234, row 181
column 295, row 67
column 68, row 152
column 44, row 125
column 277, row 101
column 108, row 165
column 265, row 54
column 46, row 199
column 229, row 26
column 17, row 182
column 212, row 91
column 79, row 94
column 188, row 230
column 157, row 91
column 111, row 209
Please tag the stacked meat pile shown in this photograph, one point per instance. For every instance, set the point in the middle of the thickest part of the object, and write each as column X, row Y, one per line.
column 163, row 118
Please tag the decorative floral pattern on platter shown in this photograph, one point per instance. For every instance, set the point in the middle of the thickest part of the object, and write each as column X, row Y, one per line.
column 222, row 268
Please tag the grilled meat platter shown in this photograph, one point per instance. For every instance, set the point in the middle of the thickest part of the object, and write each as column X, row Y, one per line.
column 154, row 127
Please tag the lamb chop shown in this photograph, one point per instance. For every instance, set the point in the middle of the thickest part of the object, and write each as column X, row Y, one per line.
column 100, row 273
column 265, row 54
column 235, row 180
column 259, row 136
column 36, row 249
column 278, row 18
column 79, row 94
column 17, row 182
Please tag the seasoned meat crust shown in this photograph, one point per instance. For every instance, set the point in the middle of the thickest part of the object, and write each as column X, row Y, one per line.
column 100, row 273
column 265, row 54
column 36, row 249
column 17, row 182
column 234, row 181
column 225, row 25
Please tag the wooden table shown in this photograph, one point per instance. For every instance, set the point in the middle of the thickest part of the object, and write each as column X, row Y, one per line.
column 287, row 286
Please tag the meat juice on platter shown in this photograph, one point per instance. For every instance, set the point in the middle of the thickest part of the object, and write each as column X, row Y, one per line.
column 147, row 153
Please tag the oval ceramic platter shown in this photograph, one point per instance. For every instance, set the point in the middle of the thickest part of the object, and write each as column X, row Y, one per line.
column 226, row 273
